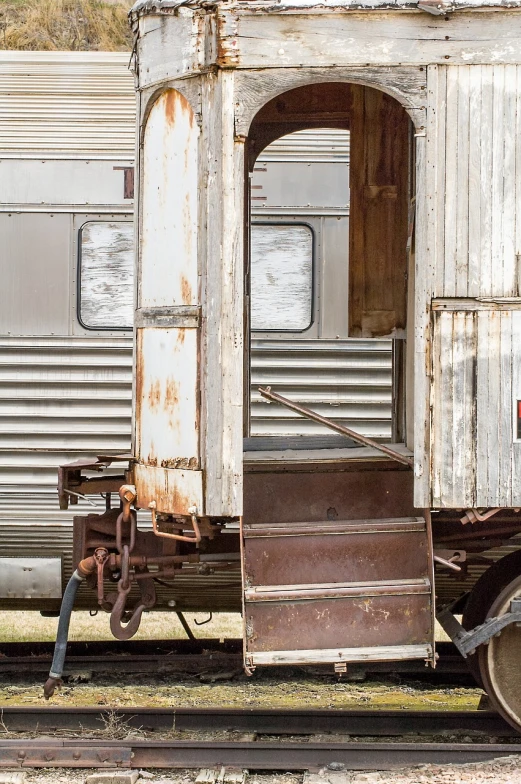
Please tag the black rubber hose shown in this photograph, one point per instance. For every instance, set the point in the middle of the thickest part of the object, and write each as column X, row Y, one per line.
column 60, row 647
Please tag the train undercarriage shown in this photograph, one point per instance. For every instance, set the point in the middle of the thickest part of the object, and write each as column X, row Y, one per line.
column 335, row 559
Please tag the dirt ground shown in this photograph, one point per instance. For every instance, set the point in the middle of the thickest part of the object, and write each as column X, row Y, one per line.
column 267, row 688
column 502, row 771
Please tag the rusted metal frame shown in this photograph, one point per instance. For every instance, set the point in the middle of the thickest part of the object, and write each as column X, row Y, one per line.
column 430, row 557
column 338, row 527
column 297, row 593
column 185, row 316
column 272, row 721
column 467, row 641
column 70, row 479
column 178, row 537
column 254, row 755
column 306, row 412
column 469, row 534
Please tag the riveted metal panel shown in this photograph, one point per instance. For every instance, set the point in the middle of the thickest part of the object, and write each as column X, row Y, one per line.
column 30, row 578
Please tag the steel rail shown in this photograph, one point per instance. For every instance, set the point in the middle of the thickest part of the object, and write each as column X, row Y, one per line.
column 251, row 755
column 261, row 721
column 193, row 657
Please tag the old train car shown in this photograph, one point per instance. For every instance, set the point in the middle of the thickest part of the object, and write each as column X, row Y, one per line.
column 66, row 229
column 338, row 544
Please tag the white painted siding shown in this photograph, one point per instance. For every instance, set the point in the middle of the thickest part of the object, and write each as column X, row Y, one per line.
column 474, row 198
column 476, row 382
column 168, row 258
column 479, row 197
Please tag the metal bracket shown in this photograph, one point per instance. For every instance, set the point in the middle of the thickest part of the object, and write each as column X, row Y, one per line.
column 467, row 641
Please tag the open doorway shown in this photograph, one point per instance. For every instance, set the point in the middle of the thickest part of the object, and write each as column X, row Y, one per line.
column 329, row 247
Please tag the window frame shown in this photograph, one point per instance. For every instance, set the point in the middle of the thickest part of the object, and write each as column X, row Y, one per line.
column 105, row 218
column 283, row 221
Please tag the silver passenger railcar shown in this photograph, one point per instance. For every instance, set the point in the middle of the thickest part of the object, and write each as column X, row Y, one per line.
column 66, row 232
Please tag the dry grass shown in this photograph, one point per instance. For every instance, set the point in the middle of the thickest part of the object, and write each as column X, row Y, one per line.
column 51, row 25
column 31, row 627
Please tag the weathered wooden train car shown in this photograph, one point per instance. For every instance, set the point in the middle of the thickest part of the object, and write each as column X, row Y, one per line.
column 66, row 309
column 336, row 544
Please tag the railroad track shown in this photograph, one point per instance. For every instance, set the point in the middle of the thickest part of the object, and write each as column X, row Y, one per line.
column 267, row 739
column 194, row 656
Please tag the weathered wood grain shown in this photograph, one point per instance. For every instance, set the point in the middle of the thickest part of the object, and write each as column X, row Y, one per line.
column 222, row 212
column 380, row 137
column 476, row 359
column 255, row 88
column 259, row 40
column 480, row 190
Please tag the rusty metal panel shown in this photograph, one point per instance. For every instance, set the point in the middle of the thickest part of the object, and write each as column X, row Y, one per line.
column 166, row 398
column 329, row 623
column 316, row 592
column 360, row 551
column 173, row 490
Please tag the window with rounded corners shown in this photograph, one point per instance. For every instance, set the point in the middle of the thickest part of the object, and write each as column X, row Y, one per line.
column 106, row 275
column 281, row 277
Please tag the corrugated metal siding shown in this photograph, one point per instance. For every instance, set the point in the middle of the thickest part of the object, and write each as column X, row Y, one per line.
column 349, row 381
column 324, row 144
column 64, row 398
column 66, row 104
column 60, row 398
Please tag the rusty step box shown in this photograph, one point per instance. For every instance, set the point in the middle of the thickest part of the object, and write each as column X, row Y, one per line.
column 338, row 591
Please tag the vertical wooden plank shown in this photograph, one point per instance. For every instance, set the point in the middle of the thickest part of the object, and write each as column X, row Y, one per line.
column 487, row 95
column 169, row 212
column 437, row 162
column 462, row 435
column 474, row 194
column 223, row 300
column 509, row 282
column 451, row 182
column 517, row 246
column 482, row 410
column 444, row 377
column 427, row 236
column 461, row 251
column 516, row 394
column 437, row 477
column 489, row 418
column 505, row 410
column 379, row 171
column 498, row 172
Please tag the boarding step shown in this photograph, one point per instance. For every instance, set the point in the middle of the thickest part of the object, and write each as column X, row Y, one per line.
column 338, row 591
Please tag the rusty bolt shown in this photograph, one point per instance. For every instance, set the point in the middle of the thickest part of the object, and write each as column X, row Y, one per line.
column 127, row 493
column 48, row 756
column 76, row 755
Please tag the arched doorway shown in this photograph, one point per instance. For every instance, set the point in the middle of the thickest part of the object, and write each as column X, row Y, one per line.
column 364, row 290
column 324, row 537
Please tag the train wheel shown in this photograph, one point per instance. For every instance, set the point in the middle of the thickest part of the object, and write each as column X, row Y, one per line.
column 500, row 660
column 482, row 597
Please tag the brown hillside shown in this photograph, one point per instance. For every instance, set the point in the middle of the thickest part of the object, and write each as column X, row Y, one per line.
column 49, row 25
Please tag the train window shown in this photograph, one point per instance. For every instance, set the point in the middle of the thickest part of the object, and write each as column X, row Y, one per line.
column 106, row 279
column 281, row 277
